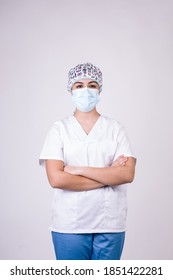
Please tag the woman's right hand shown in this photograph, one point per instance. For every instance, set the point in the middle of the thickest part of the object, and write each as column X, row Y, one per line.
column 120, row 161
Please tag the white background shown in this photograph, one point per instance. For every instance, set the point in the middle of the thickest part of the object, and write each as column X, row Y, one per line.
column 131, row 41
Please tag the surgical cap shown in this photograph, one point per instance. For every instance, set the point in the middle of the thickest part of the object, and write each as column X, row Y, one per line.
column 84, row 71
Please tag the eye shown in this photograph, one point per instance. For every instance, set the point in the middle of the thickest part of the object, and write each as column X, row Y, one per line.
column 79, row 86
column 92, row 86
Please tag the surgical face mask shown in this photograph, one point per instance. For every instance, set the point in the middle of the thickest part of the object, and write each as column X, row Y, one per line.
column 85, row 99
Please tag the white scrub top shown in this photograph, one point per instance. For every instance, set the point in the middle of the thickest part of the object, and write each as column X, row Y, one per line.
column 100, row 210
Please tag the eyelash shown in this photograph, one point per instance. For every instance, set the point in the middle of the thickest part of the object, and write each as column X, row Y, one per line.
column 81, row 86
column 92, row 86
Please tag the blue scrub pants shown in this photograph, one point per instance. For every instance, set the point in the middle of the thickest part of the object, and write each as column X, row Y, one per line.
column 95, row 246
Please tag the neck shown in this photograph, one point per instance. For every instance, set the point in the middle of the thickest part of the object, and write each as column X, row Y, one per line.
column 86, row 116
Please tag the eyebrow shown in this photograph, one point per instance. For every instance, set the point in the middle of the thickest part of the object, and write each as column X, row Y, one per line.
column 93, row 82
column 88, row 83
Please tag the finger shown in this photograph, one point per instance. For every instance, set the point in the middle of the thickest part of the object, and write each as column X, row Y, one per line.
column 117, row 159
column 123, row 161
column 120, row 157
column 120, row 162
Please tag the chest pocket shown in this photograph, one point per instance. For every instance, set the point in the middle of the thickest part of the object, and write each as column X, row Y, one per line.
column 90, row 153
column 106, row 149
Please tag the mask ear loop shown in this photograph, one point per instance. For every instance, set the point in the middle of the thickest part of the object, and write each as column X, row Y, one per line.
column 100, row 89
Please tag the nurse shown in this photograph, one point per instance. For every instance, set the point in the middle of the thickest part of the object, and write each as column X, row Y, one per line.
column 89, row 163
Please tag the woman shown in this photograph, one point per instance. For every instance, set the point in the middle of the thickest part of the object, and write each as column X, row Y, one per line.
column 88, row 161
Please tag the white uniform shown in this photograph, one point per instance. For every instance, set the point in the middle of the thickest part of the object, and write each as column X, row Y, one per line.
column 100, row 210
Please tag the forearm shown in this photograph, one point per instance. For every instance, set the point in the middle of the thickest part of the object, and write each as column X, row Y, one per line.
column 113, row 175
column 64, row 180
column 107, row 176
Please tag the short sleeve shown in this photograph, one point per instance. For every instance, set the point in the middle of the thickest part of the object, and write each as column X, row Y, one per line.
column 123, row 144
column 53, row 146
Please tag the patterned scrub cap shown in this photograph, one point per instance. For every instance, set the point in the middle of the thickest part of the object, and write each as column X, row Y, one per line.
column 84, row 71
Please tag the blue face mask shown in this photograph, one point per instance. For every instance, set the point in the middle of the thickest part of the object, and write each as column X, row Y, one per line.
column 85, row 99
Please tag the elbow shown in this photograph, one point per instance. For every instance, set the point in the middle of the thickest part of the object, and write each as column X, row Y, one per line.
column 55, row 174
column 130, row 177
column 53, row 185
column 58, row 179
column 54, row 182
column 130, row 171
column 130, row 180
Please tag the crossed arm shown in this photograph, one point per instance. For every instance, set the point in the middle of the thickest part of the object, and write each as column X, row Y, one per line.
column 82, row 178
